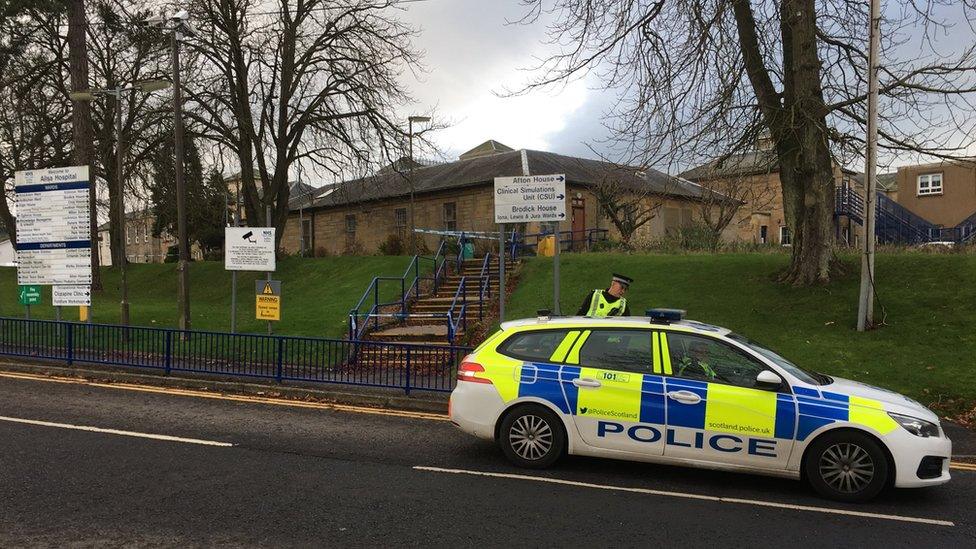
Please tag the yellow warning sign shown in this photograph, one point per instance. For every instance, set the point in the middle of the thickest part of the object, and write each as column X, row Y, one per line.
column 268, row 307
column 268, row 290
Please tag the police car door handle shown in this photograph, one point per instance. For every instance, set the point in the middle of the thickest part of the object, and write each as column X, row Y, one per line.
column 684, row 397
column 586, row 382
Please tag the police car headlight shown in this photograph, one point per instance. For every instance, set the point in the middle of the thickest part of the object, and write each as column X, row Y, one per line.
column 915, row 426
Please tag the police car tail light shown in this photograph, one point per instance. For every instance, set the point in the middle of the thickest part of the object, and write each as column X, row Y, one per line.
column 467, row 371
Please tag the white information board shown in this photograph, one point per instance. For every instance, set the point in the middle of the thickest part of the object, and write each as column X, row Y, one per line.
column 70, row 296
column 53, row 226
column 530, row 198
column 249, row 248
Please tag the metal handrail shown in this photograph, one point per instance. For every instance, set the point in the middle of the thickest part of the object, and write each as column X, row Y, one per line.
column 452, row 324
column 359, row 321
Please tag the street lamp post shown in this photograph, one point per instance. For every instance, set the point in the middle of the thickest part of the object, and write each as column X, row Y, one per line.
column 183, row 265
column 116, row 93
column 178, row 24
column 413, row 219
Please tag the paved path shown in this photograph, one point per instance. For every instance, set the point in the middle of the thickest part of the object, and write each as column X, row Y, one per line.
column 77, row 468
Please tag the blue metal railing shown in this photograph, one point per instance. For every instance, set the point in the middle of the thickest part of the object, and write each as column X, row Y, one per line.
column 457, row 314
column 282, row 358
column 895, row 223
column 363, row 318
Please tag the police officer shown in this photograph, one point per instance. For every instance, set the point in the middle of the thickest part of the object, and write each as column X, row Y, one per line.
column 694, row 363
column 609, row 302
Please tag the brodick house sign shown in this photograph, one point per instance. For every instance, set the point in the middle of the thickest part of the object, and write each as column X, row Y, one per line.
column 530, row 198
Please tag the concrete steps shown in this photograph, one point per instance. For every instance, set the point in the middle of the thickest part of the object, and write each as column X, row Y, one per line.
column 433, row 329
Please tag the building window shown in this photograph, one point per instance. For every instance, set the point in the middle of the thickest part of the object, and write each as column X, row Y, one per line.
column 930, row 183
column 400, row 221
column 784, row 236
column 450, row 216
column 351, row 224
column 763, row 234
column 128, row 235
column 145, row 233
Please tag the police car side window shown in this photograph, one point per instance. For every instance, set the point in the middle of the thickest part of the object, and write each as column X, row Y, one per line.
column 618, row 350
column 707, row 359
column 536, row 346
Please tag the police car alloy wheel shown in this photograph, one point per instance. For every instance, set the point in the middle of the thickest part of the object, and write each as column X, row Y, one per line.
column 846, row 466
column 532, row 436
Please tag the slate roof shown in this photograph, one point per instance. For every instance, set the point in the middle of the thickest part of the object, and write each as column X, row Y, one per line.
column 736, row 165
column 481, row 170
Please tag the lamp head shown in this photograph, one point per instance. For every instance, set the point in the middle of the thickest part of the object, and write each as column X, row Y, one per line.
column 152, row 85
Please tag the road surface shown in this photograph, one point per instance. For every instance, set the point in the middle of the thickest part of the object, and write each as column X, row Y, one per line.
column 93, row 465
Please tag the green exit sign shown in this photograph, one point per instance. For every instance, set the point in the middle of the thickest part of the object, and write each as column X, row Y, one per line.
column 30, row 295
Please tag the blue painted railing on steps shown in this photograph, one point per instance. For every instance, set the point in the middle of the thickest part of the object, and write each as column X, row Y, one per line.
column 457, row 314
column 896, row 224
column 362, row 318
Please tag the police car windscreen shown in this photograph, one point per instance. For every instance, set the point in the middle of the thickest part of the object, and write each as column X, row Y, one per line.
column 799, row 373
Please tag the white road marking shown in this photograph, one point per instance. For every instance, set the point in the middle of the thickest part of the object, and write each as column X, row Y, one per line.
column 115, row 432
column 684, row 495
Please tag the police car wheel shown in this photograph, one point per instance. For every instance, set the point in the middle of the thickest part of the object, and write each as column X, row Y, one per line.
column 532, row 436
column 846, row 466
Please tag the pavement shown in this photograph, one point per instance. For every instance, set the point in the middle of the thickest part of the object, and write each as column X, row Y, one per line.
column 136, row 465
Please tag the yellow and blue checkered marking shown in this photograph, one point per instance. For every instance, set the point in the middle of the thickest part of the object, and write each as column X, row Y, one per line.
column 643, row 398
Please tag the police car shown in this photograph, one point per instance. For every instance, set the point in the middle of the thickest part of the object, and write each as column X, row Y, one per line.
column 668, row 390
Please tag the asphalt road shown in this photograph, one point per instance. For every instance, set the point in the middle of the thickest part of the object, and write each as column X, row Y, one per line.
column 287, row 476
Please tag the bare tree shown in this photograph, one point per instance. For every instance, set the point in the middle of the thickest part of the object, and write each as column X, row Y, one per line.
column 627, row 207
column 732, row 197
column 33, row 130
column 123, row 53
column 309, row 81
column 712, row 75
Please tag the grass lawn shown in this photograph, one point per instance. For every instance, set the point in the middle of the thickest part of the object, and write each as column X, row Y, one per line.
column 927, row 349
column 317, row 294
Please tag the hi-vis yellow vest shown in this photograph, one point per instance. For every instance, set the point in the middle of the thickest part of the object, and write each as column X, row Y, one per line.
column 600, row 307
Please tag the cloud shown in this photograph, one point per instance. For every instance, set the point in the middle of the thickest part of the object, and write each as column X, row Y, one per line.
column 472, row 52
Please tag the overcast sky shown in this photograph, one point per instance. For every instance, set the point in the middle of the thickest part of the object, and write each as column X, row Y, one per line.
column 471, row 53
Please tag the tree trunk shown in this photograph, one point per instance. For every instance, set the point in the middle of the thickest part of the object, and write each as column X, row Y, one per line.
column 82, row 152
column 806, row 173
column 116, row 228
column 796, row 118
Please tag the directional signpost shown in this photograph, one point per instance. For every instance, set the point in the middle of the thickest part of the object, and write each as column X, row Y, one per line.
column 530, row 198
column 71, row 296
column 526, row 199
column 53, row 226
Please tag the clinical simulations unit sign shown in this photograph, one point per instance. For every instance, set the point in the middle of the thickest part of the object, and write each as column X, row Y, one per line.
column 530, row 198
column 53, row 226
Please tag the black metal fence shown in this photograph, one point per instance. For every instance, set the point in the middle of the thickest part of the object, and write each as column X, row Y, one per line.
column 369, row 363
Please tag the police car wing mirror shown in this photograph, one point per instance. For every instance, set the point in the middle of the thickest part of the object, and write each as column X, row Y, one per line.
column 767, row 378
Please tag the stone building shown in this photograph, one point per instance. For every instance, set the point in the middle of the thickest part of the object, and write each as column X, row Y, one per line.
column 140, row 244
column 753, row 178
column 356, row 217
column 943, row 193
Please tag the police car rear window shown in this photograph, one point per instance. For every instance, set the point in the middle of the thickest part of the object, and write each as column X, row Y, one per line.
column 536, row 346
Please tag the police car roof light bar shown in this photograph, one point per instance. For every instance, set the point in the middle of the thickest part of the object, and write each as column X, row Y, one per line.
column 666, row 315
